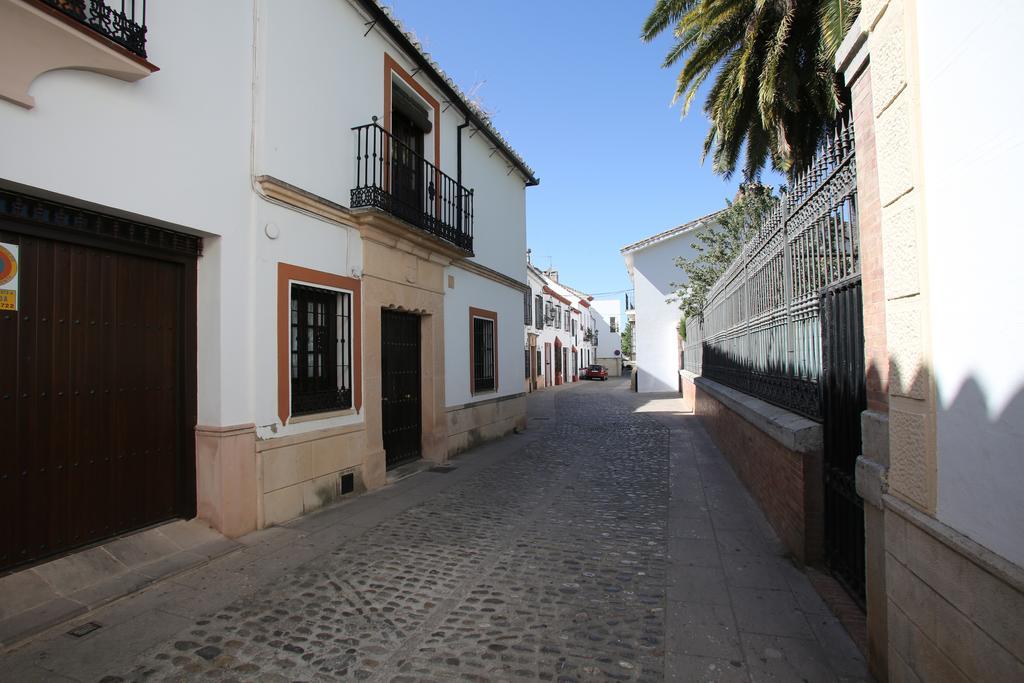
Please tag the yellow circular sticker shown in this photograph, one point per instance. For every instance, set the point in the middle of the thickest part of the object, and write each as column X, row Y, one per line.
column 8, row 266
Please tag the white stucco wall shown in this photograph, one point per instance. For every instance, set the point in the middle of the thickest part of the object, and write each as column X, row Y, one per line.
column 608, row 342
column 172, row 148
column 178, row 148
column 655, row 336
column 472, row 290
column 972, row 143
column 314, row 96
column 304, row 241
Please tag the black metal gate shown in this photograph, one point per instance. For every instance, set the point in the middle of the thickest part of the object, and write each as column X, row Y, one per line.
column 400, row 386
column 843, row 399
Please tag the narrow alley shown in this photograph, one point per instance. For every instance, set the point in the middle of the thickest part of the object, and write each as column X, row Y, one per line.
column 610, row 541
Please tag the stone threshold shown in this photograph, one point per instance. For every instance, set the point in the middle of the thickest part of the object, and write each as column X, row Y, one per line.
column 409, row 469
column 40, row 597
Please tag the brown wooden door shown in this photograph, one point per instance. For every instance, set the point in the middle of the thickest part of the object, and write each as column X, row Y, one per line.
column 92, row 406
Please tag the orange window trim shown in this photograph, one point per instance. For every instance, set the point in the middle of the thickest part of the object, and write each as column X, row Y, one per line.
column 393, row 68
column 286, row 274
column 493, row 317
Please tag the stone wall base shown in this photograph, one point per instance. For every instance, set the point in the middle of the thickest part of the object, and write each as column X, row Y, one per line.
column 475, row 423
column 955, row 610
column 226, row 476
column 777, row 456
column 302, row 473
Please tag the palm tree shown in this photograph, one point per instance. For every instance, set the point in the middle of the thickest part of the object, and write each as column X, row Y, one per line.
column 774, row 92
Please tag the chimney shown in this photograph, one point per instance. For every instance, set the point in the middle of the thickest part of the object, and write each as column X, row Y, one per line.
column 553, row 274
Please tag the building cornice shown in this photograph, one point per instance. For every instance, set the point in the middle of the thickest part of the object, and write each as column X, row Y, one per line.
column 491, row 274
column 548, row 290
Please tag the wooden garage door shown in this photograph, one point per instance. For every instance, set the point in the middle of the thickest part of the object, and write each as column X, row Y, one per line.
column 92, row 409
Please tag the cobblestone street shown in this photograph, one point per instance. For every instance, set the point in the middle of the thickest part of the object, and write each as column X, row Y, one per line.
column 609, row 542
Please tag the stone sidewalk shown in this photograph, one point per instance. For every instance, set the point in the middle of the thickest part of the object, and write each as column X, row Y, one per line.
column 611, row 541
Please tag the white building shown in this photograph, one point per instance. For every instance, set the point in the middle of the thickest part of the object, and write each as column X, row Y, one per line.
column 651, row 263
column 561, row 331
column 610, row 324
column 254, row 220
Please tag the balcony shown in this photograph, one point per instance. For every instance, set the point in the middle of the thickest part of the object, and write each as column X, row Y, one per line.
column 126, row 27
column 39, row 36
column 395, row 178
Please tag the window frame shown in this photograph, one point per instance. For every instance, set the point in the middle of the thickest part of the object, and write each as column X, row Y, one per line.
column 335, row 316
column 482, row 314
column 286, row 275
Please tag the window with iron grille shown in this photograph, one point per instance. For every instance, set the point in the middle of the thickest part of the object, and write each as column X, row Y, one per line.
column 527, row 310
column 538, row 313
column 483, row 354
column 527, row 363
column 321, row 353
column 558, row 317
column 539, row 366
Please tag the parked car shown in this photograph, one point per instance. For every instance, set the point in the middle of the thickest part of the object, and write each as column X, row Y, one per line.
column 595, row 372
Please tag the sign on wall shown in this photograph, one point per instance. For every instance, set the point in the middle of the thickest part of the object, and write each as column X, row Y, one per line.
column 8, row 277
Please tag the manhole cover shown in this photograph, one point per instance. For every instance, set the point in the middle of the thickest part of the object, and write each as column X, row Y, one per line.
column 442, row 469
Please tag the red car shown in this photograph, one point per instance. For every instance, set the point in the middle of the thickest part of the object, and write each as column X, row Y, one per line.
column 595, row 372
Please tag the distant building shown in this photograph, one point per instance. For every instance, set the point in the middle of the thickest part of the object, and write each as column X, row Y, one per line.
column 651, row 263
column 561, row 331
column 608, row 315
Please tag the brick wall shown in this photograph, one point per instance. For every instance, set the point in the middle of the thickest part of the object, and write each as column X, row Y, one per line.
column 786, row 484
column 872, row 262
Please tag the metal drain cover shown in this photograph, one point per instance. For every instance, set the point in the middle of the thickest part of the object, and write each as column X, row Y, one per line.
column 442, row 469
column 84, row 629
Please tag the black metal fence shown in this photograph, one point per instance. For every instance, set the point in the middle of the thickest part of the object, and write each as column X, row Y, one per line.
column 761, row 329
column 843, row 399
column 125, row 26
column 393, row 177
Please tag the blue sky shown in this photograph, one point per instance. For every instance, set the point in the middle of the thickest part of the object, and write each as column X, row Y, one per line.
column 586, row 103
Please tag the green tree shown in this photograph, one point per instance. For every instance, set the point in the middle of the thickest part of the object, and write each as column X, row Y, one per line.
column 626, row 340
column 774, row 92
column 719, row 244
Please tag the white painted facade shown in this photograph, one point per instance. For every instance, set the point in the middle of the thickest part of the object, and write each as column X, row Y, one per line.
column 976, row 317
column 267, row 88
column 609, row 343
column 559, row 331
column 652, row 268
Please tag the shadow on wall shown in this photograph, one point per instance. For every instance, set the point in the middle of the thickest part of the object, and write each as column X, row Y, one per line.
column 979, row 453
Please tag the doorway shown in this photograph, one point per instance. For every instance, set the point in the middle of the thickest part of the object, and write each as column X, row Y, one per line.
column 98, row 353
column 400, row 387
column 547, row 364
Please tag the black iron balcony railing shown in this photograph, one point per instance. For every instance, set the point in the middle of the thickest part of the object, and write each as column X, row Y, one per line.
column 126, row 27
column 393, row 177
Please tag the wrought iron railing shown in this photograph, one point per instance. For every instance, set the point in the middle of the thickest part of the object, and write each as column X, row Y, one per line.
column 761, row 330
column 125, row 26
column 393, row 177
